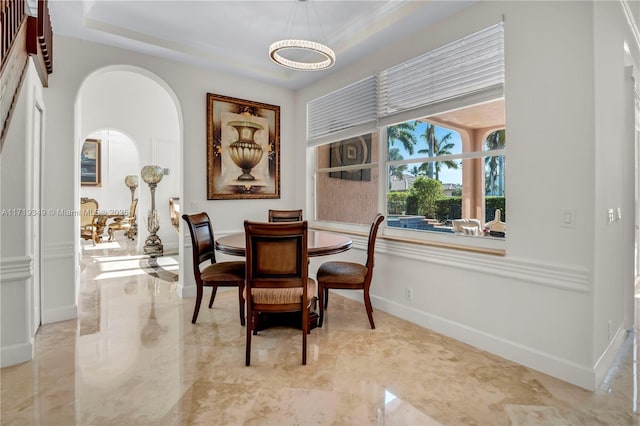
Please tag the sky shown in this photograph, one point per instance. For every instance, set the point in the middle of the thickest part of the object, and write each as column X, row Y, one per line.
column 446, row 175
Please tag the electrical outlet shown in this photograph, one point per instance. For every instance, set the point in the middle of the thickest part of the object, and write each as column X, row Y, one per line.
column 408, row 294
column 610, row 216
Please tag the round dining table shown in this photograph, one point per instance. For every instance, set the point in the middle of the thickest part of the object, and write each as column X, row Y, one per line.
column 319, row 243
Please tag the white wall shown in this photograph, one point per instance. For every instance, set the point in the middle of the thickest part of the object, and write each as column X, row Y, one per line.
column 17, row 258
column 543, row 304
column 614, row 180
column 119, row 159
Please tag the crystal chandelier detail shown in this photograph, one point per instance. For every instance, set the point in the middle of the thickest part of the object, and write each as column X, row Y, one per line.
column 322, row 56
column 315, row 47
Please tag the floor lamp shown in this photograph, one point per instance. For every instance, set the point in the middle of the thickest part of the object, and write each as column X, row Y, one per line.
column 152, row 175
column 132, row 183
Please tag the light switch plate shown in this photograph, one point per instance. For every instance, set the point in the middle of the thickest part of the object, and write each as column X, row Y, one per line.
column 568, row 218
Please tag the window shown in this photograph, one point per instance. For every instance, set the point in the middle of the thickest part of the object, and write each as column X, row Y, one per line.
column 347, row 180
column 447, row 170
column 423, row 141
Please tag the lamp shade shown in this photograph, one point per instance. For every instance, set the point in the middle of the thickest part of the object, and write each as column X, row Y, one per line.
column 152, row 174
column 131, row 181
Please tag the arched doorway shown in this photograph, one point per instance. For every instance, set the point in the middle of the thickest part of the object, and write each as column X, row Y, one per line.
column 139, row 116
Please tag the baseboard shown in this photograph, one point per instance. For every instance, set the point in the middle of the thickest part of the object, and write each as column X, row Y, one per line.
column 544, row 362
column 608, row 357
column 171, row 249
column 16, row 354
column 185, row 292
column 59, row 314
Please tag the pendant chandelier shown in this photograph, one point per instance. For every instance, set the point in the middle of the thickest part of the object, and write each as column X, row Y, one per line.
column 325, row 58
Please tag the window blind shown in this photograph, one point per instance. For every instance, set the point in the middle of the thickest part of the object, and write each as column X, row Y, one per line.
column 346, row 108
column 466, row 66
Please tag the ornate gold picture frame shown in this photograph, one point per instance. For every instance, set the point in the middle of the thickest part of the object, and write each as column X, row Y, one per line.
column 90, row 163
column 243, row 149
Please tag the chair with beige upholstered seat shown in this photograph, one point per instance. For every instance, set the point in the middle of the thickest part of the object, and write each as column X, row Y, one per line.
column 216, row 274
column 349, row 275
column 277, row 274
column 285, row 215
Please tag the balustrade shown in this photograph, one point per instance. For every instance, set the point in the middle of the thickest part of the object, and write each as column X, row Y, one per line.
column 12, row 15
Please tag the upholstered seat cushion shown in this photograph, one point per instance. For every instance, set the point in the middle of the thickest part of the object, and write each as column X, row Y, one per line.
column 342, row 272
column 270, row 296
column 223, row 271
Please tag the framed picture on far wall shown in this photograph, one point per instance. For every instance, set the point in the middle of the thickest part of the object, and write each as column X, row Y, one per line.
column 90, row 163
column 243, row 149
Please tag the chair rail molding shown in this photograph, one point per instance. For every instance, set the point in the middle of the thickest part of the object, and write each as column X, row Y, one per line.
column 16, row 268
column 62, row 250
column 572, row 278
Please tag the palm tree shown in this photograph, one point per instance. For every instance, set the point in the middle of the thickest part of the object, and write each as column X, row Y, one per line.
column 402, row 133
column 494, row 166
column 437, row 147
column 415, row 171
column 397, row 171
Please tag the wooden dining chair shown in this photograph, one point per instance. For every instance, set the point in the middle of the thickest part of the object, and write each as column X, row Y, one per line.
column 216, row 274
column 277, row 274
column 285, row 215
column 349, row 275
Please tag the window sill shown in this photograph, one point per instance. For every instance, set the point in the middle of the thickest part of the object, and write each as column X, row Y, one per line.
column 483, row 245
column 446, row 245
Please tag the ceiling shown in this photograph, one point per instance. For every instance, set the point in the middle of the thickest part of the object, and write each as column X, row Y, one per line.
column 234, row 36
column 481, row 116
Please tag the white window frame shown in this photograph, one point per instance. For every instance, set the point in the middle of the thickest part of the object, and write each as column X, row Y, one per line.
column 440, row 238
column 388, row 115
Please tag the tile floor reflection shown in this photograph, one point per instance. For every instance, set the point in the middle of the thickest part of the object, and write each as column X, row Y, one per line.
column 134, row 358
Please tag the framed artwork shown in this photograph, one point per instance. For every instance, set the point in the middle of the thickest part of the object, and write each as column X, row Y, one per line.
column 243, row 149
column 90, row 163
column 351, row 152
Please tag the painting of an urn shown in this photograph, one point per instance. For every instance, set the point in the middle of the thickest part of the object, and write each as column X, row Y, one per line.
column 245, row 152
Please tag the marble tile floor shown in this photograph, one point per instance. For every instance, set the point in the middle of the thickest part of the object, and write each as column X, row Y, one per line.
column 133, row 358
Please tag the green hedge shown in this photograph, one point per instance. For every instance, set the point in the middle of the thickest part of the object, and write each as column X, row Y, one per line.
column 446, row 208
column 449, row 208
column 396, row 202
column 493, row 203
